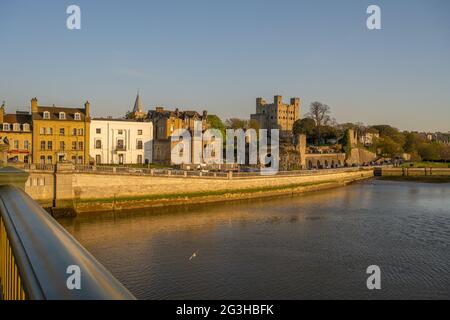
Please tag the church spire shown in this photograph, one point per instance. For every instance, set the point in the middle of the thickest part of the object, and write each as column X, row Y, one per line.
column 137, row 104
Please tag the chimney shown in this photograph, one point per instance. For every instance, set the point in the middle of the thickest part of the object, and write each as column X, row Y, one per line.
column 87, row 109
column 2, row 112
column 34, row 105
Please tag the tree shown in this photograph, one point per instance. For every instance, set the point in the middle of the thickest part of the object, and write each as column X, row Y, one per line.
column 320, row 113
column 216, row 123
column 389, row 147
column 304, row 126
column 253, row 124
column 430, row 151
column 391, row 132
column 235, row 123
column 412, row 142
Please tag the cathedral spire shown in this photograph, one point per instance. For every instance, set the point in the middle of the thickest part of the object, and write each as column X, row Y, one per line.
column 137, row 104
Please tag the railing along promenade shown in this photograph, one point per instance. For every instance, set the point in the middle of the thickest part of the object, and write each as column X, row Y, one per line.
column 140, row 171
column 36, row 252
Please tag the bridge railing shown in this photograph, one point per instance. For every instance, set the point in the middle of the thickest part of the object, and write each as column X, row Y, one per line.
column 39, row 258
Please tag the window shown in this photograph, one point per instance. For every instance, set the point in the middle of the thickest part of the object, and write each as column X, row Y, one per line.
column 74, row 145
column 98, row 144
column 26, row 127
column 26, row 144
column 140, row 132
column 62, row 116
column 6, row 127
column 46, row 115
column 50, row 131
column 42, row 130
column 80, row 132
column 42, row 145
column 61, row 131
column 16, row 127
column 42, row 159
column 80, row 159
column 80, row 145
column 62, row 145
column 139, row 144
column 120, row 144
column 74, row 159
column 77, row 116
column 98, row 131
column 139, row 159
column 16, row 144
column 74, row 131
column 49, row 160
column 49, row 145
column 98, row 159
column 120, row 132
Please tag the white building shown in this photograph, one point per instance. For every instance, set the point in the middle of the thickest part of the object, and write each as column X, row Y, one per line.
column 121, row 141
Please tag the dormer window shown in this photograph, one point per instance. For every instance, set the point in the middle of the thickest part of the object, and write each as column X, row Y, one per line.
column 62, row 116
column 46, row 115
column 77, row 116
column 16, row 127
column 26, row 127
column 6, row 127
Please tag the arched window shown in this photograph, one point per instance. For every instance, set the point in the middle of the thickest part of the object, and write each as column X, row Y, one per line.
column 77, row 116
column 62, row 116
column 46, row 115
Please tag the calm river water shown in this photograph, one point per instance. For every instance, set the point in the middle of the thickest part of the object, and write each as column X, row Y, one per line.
column 314, row 246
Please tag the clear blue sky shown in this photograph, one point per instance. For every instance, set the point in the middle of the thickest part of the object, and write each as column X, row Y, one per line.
column 221, row 55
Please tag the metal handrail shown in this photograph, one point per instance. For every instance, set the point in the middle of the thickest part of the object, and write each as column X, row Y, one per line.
column 43, row 250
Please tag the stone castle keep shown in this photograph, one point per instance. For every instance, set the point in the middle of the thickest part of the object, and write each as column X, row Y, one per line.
column 277, row 115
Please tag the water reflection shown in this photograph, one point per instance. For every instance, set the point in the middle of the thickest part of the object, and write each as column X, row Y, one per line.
column 313, row 246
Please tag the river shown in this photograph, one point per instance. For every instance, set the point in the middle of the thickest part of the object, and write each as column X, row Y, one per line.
column 315, row 246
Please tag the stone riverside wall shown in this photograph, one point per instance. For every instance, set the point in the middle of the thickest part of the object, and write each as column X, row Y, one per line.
column 412, row 172
column 100, row 191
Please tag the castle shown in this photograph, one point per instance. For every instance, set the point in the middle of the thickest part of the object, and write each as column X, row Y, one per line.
column 277, row 115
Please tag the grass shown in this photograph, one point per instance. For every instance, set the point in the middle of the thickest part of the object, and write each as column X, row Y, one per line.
column 427, row 164
column 190, row 195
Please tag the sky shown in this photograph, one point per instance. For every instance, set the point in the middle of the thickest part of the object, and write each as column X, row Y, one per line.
column 220, row 55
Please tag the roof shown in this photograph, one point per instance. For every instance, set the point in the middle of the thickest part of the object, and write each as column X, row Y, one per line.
column 54, row 113
column 17, row 118
column 121, row 119
column 175, row 114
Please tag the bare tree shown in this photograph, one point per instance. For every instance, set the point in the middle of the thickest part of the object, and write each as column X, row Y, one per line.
column 320, row 113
